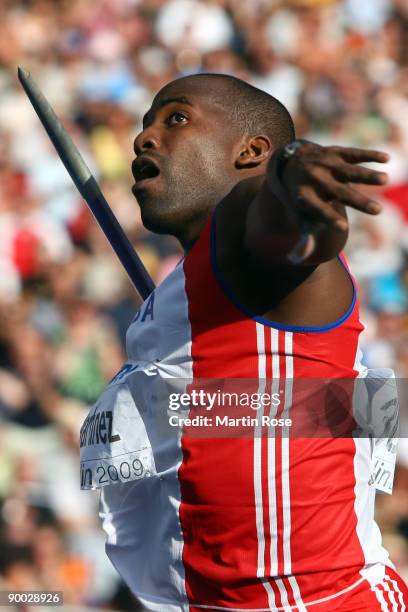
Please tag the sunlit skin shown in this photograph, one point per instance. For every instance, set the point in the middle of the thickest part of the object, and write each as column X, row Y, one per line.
column 190, row 138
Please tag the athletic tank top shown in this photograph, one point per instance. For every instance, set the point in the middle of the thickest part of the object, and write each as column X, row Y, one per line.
column 230, row 517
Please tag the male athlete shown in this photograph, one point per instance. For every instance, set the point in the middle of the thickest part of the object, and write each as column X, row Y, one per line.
column 252, row 521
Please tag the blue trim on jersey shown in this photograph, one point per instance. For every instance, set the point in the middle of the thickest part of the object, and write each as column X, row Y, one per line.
column 267, row 322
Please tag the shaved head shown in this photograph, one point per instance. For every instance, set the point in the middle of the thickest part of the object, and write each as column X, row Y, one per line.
column 251, row 110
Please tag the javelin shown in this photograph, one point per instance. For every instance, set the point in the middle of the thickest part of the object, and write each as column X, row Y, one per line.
column 87, row 186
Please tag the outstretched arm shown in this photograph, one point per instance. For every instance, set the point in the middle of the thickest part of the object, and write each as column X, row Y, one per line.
column 299, row 214
column 279, row 234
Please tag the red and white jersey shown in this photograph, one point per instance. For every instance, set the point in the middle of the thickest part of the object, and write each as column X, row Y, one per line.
column 237, row 523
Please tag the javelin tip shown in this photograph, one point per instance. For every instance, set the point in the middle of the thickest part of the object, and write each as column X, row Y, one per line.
column 23, row 74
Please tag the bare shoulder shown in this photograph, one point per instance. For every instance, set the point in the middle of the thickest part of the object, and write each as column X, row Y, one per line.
column 304, row 296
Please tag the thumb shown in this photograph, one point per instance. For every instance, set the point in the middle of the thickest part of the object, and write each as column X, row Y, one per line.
column 306, row 244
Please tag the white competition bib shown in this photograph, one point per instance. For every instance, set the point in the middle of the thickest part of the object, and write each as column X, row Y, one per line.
column 114, row 444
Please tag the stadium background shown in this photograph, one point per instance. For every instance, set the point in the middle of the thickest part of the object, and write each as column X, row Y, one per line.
column 340, row 67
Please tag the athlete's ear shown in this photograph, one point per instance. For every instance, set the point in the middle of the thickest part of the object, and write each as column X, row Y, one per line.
column 253, row 151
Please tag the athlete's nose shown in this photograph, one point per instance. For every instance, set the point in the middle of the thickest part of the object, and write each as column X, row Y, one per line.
column 145, row 141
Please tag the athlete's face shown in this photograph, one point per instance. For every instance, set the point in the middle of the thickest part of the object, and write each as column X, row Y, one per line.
column 184, row 160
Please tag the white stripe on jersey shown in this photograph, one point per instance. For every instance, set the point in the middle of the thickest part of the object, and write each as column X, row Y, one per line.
column 258, row 457
column 258, row 470
column 271, row 456
column 287, row 559
column 287, row 563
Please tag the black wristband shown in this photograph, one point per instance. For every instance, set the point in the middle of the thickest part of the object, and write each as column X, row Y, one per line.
column 286, row 153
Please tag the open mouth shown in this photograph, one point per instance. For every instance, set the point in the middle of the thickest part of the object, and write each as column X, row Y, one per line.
column 144, row 169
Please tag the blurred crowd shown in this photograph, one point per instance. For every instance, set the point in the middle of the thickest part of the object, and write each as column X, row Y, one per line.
column 65, row 303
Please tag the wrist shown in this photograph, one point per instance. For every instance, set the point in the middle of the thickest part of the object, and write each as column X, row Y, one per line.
column 285, row 154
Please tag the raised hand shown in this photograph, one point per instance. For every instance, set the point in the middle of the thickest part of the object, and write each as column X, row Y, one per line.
column 320, row 183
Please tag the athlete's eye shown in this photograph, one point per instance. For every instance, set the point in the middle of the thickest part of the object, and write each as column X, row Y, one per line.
column 176, row 118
